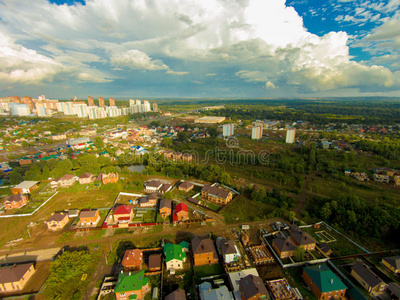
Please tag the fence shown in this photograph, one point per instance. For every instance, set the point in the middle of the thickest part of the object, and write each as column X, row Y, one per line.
column 30, row 214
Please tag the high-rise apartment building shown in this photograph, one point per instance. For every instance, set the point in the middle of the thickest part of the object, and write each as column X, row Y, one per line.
column 256, row 132
column 227, row 130
column 290, row 136
column 112, row 102
column 101, row 102
column 155, row 107
column 18, row 109
column 90, row 101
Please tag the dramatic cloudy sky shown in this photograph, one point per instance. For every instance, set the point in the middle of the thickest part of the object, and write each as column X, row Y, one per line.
column 199, row 48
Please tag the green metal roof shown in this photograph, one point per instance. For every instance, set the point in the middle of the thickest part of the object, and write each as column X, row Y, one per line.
column 184, row 244
column 324, row 278
column 133, row 282
column 173, row 251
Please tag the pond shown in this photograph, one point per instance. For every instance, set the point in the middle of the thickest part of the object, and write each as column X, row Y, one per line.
column 136, row 168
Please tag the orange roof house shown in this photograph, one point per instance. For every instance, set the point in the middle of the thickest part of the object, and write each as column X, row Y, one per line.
column 15, row 201
column 132, row 260
column 204, row 252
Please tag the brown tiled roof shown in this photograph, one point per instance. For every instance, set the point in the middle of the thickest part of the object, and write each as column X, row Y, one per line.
column 153, row 196
column 212, row 190
column 284, row 245
column 14, row 198
column 13, row 273
column 153, row 183
column 165, row 187
column 57, row 217
column 394, row 288
column 133, row 257
column 227, row 247
column 367, row 275
column 186, row 185
column 203, row 246
column 302, row 238
column 394, row 261
column 193, row 200
column 179, row 294
column 251, row 285
column 86, row 175
column 165, row 203
column 155, row 261
column 88, row 213
column 67, row 177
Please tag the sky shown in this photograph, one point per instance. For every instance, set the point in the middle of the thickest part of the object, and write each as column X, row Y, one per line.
column 199, row 48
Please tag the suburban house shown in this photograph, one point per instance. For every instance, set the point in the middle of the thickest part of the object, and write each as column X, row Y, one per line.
column 57, row 221
column 123, row 214
column 25, row 187
column 302, row 239
column 204, row 252
column 187, row 157
column 166, row 187
column 177, row 156
column 175, row 256
column 153, row 186
column 132, row 286
column 181, row 212
column 252, row 287
column 148, row 201
column 155, row 262
column 132, row 260
column 14, row 278
column 15, row 201
column 186, row 186
column 109, row 178
column 25, row 161
column 323, row 282
column 179, row 294
column 89, row 217
column 168, row 154
column 368, row 279
column 228, row 250
column 284, row 247
column 216, row 194
column 66, row 181
column 220, row 293
column 394, row 290
column 392, row 263
column 165, row 208
column 86, row 178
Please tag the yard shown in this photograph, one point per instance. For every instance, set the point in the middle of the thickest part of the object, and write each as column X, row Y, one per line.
column 208, row 270
column 339, row 244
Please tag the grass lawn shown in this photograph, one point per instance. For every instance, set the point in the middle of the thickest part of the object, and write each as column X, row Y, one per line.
column 341, row 247
column 246, row 210
column 208, row 270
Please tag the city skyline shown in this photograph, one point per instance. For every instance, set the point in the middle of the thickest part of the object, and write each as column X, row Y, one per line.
column 199, row 49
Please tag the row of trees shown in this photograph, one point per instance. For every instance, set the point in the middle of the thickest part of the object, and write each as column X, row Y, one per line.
column 351, row 214
column 57, row 168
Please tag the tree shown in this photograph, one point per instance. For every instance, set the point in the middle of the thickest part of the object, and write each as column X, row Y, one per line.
column 299, row 254
column 292, row 215
column 182, row 136
column 98, row 142
column 212, row 131
column 167, row 142
column 325, row 211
